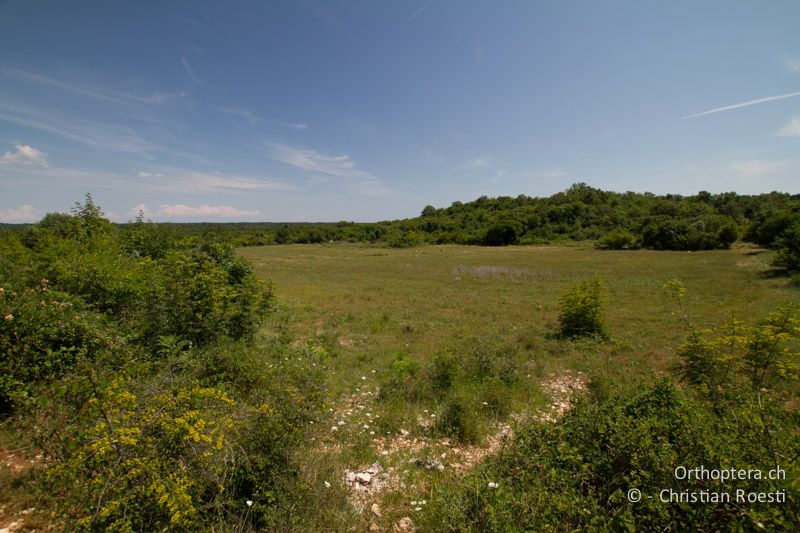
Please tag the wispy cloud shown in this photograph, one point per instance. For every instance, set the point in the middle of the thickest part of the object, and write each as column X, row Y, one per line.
column 190, row 71
column 432, row 158
column 193, row 181
column 193, row 23
column 555, row 172
column 182, row 211
column 325, row 17
column 474, row 166
column 793, row 65
column 205, row 210
column 23, row 213
column 743, row 104
column 251, row 117
column 791, row 129
column 143, row 174
column 295, row 125
column 336, row 165
column 104, row 117
column 25, row 155
column 165, row 179
column 100, row 136
column 80, row 87
column 420, row 10
column 757, row 167
column 340, row 166
column 614, row 133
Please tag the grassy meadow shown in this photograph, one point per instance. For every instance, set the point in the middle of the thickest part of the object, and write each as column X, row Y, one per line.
column 418, row 300
column 372, row 310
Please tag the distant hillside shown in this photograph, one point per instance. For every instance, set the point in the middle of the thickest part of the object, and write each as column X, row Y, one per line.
column 615, row 220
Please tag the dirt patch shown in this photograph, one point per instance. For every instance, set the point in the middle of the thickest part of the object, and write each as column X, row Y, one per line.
column 467, row 458
column 345, row 341
column 13, row 461
column 496, row 271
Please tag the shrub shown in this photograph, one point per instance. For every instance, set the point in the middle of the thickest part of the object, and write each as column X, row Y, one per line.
column 151, row 462
column 731, row 358
column 700, row 233
column 617, row 240
column 204, row 296
column 43, row 333
column 581, row 310
column 442, row 373
column 144, row 280
column 502, row 234
column 768, row 227
column 456, row 421
column 400, row 379
column 575, row 474
column 788, row 246
column 186, row 447
column 405, row 239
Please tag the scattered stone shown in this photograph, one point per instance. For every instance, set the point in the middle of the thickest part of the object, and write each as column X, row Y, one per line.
column 346, row 342
column 374, row 527
column 367, row 483
column 561, row 389
column 376, row 510
column 405, row 525
column 428, row 464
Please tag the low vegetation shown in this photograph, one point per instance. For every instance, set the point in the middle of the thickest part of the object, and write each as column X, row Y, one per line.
column 615, row 220
column 153, row 379
column 134, row 370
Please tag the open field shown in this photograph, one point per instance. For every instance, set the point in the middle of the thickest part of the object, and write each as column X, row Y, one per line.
column 420, row 299
column 366, row 307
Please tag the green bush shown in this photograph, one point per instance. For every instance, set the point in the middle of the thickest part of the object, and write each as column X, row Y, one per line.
column 699, row 233
column 455, row 420
column 146, row 281
column 621, row 239
column 199, row 297
column 502, row 234
column 43, row 334
column 581, row 310
column 788, row 246
column 185, row 446
column 400, row 381
column 575, row 474
column 151, row 462
column 442, row 373
column 730, row 359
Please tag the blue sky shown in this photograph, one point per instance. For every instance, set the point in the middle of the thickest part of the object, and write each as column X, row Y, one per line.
column 369, row 110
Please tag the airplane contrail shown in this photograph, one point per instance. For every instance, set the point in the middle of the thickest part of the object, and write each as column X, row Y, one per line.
column 420, row 10
column 743, row 104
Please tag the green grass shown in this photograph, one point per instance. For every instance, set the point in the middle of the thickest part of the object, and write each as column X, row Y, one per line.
column 418, row 300
column 367, row 305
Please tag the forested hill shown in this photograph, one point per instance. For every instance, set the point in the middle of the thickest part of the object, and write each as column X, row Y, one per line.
column 616, row 220
column 581, row 212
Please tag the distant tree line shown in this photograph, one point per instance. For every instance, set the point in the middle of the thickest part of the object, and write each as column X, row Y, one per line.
column 614, row 220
